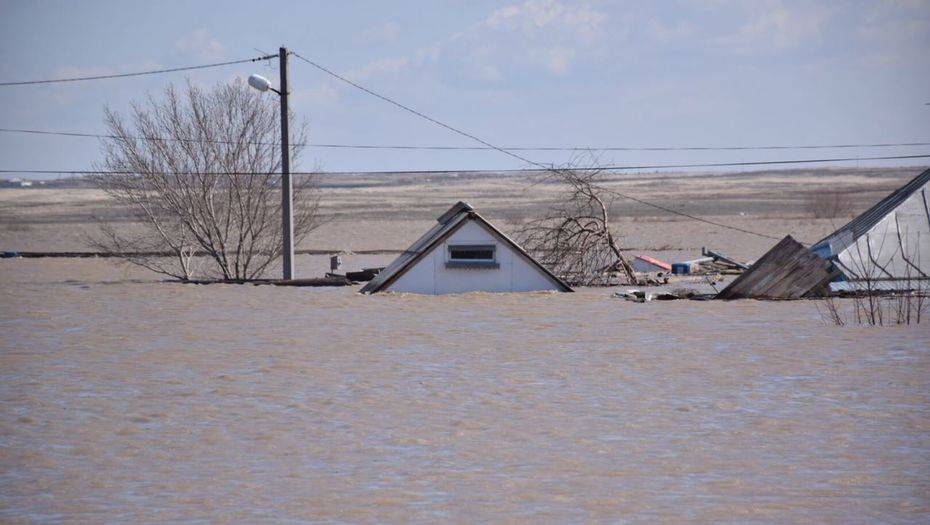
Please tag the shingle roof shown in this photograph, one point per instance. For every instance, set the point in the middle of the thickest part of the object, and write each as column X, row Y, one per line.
column 447, row 223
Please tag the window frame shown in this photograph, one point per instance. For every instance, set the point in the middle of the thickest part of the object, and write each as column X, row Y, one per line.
column 453, row 262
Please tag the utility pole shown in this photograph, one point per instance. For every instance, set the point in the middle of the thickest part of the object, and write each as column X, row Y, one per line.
column 287, row 187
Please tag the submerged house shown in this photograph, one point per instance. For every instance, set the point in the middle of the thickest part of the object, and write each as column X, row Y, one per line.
column 464, row 252
column 889, row 242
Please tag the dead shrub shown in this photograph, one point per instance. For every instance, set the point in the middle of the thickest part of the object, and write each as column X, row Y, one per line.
column 573, row 236
column 829, row 204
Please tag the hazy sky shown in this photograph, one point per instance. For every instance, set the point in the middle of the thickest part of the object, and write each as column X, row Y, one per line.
column 534, row 73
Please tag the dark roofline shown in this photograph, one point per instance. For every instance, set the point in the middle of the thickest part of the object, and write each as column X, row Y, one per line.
column 869, row 218
column 519, row 249
column 414, row 251
column 456, row 209
column 469, row 214
column 413, row 261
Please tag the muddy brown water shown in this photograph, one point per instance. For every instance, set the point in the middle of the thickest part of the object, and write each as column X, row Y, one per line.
column 129, row 400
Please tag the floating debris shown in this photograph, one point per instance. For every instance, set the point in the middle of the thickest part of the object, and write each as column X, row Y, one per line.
column 787, row 271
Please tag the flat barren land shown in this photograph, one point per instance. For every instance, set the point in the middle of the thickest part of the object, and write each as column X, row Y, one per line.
column 129, row 399
column 389, row 211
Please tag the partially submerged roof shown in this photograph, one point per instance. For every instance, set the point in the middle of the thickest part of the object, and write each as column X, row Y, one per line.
column 868, row 219
column 787, row 271
column 655, row 262
column 446, row 225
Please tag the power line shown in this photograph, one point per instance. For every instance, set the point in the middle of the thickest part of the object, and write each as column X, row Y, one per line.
column 551, row 168
column 417, row 113
column 434, row 121
column 618, row 148
column 626, row 196
column 466, row 148
column 135, row 137
column 607, row 168
column 130, row 172
column 135, row 74
column 756, row 163
column 511, row 170
column 546, row 168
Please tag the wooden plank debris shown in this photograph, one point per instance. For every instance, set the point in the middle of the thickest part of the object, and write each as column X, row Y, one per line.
column 647, row 264
column 787, row 271
column 717, row 256
column 366, row 274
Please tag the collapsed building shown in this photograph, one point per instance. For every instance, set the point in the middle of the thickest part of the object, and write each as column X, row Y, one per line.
column 888, row 245
column 885, row 248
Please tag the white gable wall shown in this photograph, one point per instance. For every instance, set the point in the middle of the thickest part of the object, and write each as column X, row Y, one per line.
column 514, row 274
column 881, row 243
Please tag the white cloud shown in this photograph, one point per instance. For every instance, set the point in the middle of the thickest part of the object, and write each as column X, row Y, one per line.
column 75, row 71
column 895, row 33
column 896, row 20
column 316, row 97
column 202, row 44
column 558, row 59
column 384, row 66
column 664, row 33
column 774, row 26
column 386, row 32
column 536, row 17
column 536, row 34
column 481, row 65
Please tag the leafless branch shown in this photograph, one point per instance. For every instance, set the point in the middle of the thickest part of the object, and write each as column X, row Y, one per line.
column 573, row 236
column 212, row 189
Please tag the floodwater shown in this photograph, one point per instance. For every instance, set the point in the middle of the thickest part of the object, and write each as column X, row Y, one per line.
column 129, row 401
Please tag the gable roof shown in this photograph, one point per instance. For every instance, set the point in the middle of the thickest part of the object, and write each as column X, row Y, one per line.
column 869, row 218
column 447, row 224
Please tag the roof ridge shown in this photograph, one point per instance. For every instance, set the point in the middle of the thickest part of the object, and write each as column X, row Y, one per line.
column 446, row 225
column 456, row 208
column 872, row 216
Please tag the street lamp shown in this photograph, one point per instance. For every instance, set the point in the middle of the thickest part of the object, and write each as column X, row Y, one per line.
column 261, row 83
column 287, row 212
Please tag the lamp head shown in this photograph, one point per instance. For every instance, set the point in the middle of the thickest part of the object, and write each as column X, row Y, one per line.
column 259, row 82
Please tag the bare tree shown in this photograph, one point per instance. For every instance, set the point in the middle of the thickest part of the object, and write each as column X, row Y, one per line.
column 199, row 170
column 889, row 285
column 573, row 236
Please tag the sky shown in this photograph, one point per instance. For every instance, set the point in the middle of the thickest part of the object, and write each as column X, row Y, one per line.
column 550, row 73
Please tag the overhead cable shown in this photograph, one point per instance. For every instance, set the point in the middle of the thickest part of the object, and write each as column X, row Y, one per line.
column 628, row 167
column 522, row 158
column 134, row 74
column 466, row 148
